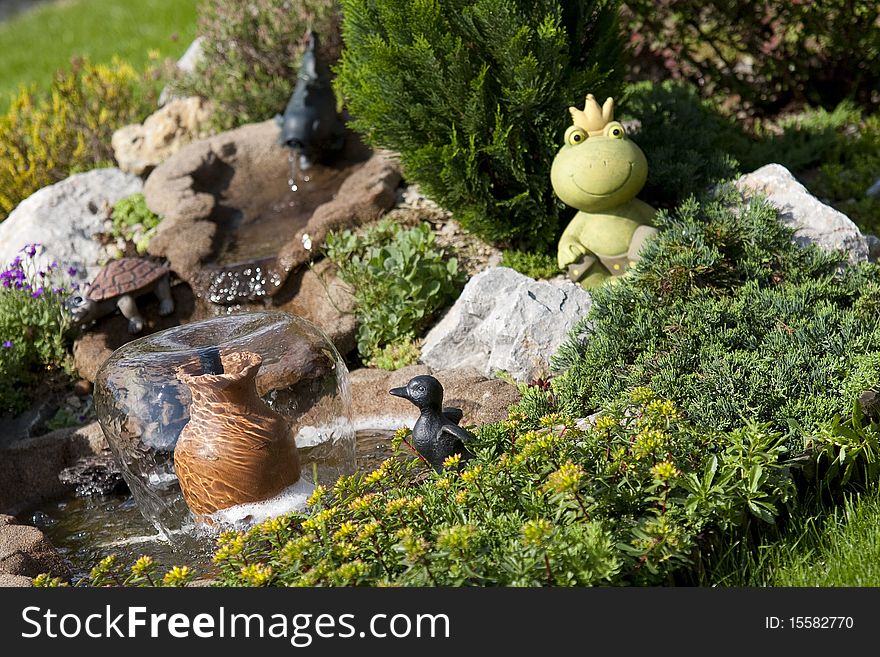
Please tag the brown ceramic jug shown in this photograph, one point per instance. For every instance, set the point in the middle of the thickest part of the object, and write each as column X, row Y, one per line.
column 234, row 449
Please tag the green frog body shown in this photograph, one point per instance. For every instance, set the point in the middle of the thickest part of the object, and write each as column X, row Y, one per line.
column 599, row 172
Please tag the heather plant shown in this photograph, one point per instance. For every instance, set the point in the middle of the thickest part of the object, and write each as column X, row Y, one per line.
column 626, row 501
column 34, row 328
column 252, row 53
column 47, row 136
column 730, row 319
column 474, row 96
column 399, row 279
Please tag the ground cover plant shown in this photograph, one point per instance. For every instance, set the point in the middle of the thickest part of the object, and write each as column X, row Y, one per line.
column 544, row 503
column 134, row 221
column 703, row 439
column 726, row 316
column 36, row 43
column 472, row 95
column 400, row 279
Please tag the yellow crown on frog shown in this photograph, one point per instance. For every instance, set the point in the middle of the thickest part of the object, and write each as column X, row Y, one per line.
column 593, row 119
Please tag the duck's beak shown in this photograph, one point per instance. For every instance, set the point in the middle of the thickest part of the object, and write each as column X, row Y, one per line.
column 399, row 392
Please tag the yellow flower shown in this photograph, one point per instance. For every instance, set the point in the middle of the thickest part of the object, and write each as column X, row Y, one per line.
column 664, row 471
column 347, row 528
column 641, row 395
column 143, row 565
column 396, row 505
column 471, row 474
column 605, row 423
column 256, row 574
column 566, row 479
column 451, row 462
column 369, row 530
column 177, row 576
column 362, row 503
column 537, row 532
column 316, row 496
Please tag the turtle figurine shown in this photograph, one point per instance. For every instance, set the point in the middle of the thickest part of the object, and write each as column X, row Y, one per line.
column 117, row 285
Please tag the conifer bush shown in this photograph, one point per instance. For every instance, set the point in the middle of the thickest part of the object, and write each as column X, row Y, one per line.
column 731, row 320
column 474, row 97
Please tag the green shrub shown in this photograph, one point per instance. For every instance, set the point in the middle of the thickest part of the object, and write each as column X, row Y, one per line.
column 134, row 221
column 849, row 170
column 399, row 280
column 731, row 320
column 762, row 54
column 474, row 97
column 804, row 140
column 252, row 55
column 534, row 264
column 688, row 143
column 34, row 330
column 46, row 137
column 625, row 502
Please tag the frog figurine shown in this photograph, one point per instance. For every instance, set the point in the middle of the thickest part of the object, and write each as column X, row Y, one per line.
column 599, row 172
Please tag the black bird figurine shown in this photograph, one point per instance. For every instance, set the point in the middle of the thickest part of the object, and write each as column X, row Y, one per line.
column 310, row 125
column 436, row 434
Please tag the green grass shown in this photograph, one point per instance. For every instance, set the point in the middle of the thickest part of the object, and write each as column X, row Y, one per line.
column 835, row 547
column 36, row 43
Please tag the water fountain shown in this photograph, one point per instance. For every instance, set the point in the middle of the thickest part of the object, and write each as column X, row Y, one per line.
column 149, row 390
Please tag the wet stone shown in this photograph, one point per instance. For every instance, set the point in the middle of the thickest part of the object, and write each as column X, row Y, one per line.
column 94, row 475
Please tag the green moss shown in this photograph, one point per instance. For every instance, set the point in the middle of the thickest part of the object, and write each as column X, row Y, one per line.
column 536, row 265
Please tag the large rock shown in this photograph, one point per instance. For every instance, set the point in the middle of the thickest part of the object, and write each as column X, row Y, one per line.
column 813, row 221
column 29, row 468
column 506, row 322
column 319, row 295
column 482, row 400
column 25, row 551
column 139, row 148
column 187, row 64
column 63, row 218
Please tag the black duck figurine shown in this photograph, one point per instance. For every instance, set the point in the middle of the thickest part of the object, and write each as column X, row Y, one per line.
column 436, row 434
column 310, row 125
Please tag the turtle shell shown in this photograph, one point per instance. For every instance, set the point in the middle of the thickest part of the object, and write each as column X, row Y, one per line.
column 124, row 276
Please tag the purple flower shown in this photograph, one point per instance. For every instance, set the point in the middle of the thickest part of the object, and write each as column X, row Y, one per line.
column 7, row 344
column 36, row 294
column 31, row 249
column 42, row 274
column 57, row 290
column 71, row 271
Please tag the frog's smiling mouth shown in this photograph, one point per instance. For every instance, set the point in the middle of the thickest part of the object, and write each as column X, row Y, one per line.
column 613, row 191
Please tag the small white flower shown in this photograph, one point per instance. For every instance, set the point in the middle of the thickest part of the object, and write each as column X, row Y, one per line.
column 307, row 242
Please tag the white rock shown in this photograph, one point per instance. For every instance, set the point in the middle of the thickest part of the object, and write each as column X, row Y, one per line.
column 874, row 190
column 186, row 64
column 63, row 218
column 813, row 221
column 506, row 322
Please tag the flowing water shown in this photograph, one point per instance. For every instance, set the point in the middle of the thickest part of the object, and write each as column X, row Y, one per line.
column 87, row 529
